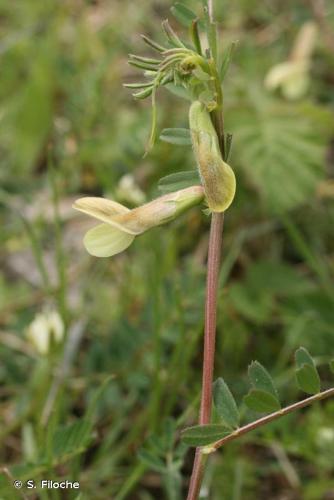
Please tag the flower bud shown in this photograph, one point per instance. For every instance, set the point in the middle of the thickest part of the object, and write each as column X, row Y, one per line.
column 121, row 225
column 217, row 177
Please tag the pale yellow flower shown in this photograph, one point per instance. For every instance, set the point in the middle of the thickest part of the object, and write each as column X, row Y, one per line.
column 120, row 225
column 45, row 328
column 217, row 176
column 292, row 77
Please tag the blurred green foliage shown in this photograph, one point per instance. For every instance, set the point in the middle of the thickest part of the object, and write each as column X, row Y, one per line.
column 68, row 128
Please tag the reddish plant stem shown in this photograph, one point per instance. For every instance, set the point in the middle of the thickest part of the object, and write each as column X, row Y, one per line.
column 196, row 475
column 214, row 259
column 213, row 267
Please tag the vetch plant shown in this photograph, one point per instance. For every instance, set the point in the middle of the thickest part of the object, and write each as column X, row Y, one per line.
column 197, row 73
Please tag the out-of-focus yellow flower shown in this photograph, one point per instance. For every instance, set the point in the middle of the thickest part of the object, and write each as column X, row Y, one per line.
column 292, row 77
column 121, row 225
column 47, row 327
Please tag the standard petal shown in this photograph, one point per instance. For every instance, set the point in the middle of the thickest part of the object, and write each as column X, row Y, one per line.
column 108, row 211
column 105, row 240
column 100, row 208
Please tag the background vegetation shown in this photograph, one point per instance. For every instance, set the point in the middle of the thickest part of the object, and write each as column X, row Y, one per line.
column 105, row 405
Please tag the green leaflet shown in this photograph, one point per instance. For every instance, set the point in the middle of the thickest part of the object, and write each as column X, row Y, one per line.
column 225, row 404
column 261, row 401
column 308, row 379
column 261, row 379
column 179, row 180
column 307, row 375
column 263, row 397
column 202, row 435
column 302, row 356
column 178, row 136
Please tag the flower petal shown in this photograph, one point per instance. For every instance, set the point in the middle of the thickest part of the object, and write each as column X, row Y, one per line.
column 105, row 240
column 100, row 208
column 108, row 211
